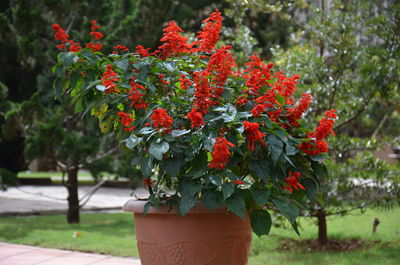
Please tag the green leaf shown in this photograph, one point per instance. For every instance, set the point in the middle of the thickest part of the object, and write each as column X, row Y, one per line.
column 260, row 222
column 216, row 180
column 244, row 114
column 157, row 150
column 260, row 195
column 78, row 106
column 291, row 149
column 177, row 133
column 122, row 64
column 280, row 99
column 209, row 144
column 319, row 158
column 227, row 189
column 230, row 113
column 275, row 146
column 101, row 88
column 146, row 166
column 146, row 130
column 236, row 204
column 188, row 193
column 288, row 209
column 260, row 168
column 311, row 188
column 90, row 56
column 143, row 72
column 319, row 169
column 132, row 141
column 172, row 166
column 170, row 66
column 66, row 58
column 212, row 199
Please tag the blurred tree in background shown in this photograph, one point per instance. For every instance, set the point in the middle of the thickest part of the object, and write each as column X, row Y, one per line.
column 348, row 54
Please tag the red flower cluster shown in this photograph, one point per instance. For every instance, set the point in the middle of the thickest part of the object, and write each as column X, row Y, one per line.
column 202, row 92
column 317, row 143
column 267, row 100
column 221, row 62
column 120, row 48
column 97, row 35
column 127, row 120
column 173, row 42
column 63, row 37
column 253, row 134
column 196, row 118
column 163, row 81
column 295, row 114
column 292, row 182
column 108, row 79
column 161, row 119
column 140, row 50
column 221, row 153
column 208, row 37
column 136, row 95
column 257, row 74
column 285, row 86
column 184, row 82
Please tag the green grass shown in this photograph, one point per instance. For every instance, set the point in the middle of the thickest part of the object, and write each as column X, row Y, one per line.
column 114, row 234
column 101, row 233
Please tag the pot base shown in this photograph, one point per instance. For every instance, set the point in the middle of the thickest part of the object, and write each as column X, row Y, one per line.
column 199, row 238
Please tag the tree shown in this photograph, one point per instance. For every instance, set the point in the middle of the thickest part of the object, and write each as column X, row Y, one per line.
column 348, row 56
column 26, row 116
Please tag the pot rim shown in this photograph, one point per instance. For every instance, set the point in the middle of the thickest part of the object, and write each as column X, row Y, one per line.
column 137, row 206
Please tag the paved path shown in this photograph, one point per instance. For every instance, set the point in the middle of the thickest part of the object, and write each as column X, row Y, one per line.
column 52, row 199
column 12, row 254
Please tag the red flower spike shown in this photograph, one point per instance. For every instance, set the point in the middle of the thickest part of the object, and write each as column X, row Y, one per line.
column 108, row 79
column 317, row 143
column 292, row 182
column 196, row 118
column 161, row 119
column 258, row 74
column 184, row 82
column 94, row 46
column 253, row 135
column 296, row 113
column 221, row 153
column 96, row 34
column 221, row 63
column 136, row 96
column 173, row 42
column 63, row 37
column 127, row 120
column 140, row 50
column 120, row 48
column 202, row 92
column 209, row 35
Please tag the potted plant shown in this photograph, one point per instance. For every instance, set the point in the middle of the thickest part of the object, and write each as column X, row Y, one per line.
column 219, row 146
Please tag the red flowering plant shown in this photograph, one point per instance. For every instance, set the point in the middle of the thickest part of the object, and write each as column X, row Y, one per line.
column 199, row 127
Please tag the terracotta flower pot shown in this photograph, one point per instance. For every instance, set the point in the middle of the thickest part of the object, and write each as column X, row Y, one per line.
column 199, row 238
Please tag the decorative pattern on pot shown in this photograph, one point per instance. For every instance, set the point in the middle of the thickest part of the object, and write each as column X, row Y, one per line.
column 232, row 251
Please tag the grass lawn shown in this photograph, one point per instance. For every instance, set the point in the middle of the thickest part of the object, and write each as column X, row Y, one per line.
column 114, row 234
column 84, row 178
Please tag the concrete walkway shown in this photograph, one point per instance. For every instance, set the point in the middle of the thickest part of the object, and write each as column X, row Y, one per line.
column 30, row 200
column 12, row 254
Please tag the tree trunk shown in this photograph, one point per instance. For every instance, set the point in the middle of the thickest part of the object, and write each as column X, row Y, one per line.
column 73, row 199
column 322, row 227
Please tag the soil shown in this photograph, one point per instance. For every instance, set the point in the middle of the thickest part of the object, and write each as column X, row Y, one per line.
column 334, row 245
